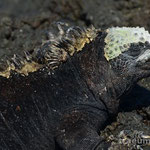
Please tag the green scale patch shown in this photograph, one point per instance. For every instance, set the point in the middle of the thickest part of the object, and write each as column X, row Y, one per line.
column 119, row 40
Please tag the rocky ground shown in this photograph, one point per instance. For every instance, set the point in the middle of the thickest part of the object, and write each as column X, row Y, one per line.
column 24, row 25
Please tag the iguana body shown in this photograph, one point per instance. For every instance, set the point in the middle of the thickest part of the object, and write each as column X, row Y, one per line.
column 66, row 91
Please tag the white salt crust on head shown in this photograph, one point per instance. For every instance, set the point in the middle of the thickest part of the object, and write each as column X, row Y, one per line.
column 119, row 40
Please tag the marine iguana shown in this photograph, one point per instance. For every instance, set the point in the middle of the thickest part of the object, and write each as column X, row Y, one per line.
column 65, row 91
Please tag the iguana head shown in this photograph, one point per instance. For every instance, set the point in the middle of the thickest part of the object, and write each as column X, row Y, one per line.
column 127, row 49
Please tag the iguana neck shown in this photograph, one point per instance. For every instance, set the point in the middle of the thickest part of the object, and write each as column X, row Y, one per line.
column 98, row 74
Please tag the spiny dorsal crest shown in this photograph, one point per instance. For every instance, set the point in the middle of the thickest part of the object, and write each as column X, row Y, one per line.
column 119, row 39
column 51, row 53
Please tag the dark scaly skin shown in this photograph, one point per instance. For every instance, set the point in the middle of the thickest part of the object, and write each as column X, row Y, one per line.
column 67, row 107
